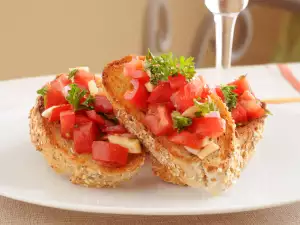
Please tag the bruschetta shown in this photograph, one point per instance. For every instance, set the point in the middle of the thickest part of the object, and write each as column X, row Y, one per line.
column 190, row 129
column 72, row 124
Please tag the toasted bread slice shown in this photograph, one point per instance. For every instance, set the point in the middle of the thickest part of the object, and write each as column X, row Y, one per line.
column 81, row 169
column 172, row 162
column 247, row 136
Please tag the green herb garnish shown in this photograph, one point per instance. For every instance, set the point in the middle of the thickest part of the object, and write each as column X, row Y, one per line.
column 204, row 108
column 180, row 122
column 229, row 95
column 88, row 102
column 72, row 73
column 268, row 112
column 165, row 65
column 75, row 94
column 42, row 91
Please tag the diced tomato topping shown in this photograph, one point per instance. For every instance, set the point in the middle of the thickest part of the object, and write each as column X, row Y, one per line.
column 186, row 138
column 116, row 129
column 82, row 78
column 170, row 106
column 135, row 70
column 241, row 84
column 55, row 114
column 84, row 135
column 67, row 122
column 161, row 93
column 239, row 114
column 177, row 81
column 205, row 92
column 95, row 117
column 184, row 98
column 108, row 123
column 247, row 96
column 219, row 92
column 207, row 126
column 142, row 57
column 102, row 104
column 109, row 154
column 253, row 108
column 158, row 120
column 55, row 94
column 81, row 118
column 139, row 95
column 61, row 81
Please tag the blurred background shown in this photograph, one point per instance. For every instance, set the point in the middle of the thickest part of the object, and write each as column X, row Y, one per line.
column 47, row 37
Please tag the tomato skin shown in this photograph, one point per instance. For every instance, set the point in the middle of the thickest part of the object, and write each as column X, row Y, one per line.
column 247, row 96
column 139, row 95
column 109, row 154
column 135, row 70
column 205, row 92
column 81, row 118
column 102, row 104
column 158, row 119
column 61, row 81
column 184, row 97
column 253, row 108
column 207, row 126
column 84, row 135
column 82, row 78
column 177, row 81
column 219, row 92
column 239, row 114
column 116, row 129
column 241, row 84
column 95, row 117
column 67, row 122
column 186, row 138
column 55, row 114
column 170, row 106
column 161, row 93
column 54, row 95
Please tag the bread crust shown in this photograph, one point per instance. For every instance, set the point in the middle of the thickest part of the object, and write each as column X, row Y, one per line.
column 81, row 169
column 172, row 162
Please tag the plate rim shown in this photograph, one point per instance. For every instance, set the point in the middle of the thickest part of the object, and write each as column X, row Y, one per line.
column 146, row 211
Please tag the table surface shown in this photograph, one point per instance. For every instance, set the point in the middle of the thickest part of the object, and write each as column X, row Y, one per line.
column 265, row 86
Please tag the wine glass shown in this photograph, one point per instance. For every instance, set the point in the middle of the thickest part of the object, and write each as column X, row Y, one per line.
column 225, row 15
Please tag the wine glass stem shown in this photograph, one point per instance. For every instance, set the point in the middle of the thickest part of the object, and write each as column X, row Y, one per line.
column 225, row 24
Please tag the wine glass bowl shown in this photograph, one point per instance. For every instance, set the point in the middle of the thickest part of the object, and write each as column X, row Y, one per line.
column 226, row 6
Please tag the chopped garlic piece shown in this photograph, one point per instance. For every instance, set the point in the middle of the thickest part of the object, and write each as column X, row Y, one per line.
column 209, row 147
column 149, row 86
column 190, row 112
column 47, row 112
column 207, row 150
column 93, row 87
column 132, row 144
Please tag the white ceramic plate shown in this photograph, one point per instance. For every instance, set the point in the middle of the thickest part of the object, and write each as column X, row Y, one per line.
column 271, row 178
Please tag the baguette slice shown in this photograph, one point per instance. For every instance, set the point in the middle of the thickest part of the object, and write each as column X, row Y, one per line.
column 81, row 169
column 172, row 162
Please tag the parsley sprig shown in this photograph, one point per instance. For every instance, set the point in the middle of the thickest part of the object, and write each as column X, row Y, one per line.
column 75, row 94
column 72, row 73
column 180, row 122
column 42, row 91
column 229, row 95
column 204, row 108
column 166, row 65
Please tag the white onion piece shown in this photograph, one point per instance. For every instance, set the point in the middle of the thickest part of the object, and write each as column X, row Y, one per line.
column 65, row 90
column 47, row 112
column 213, row 114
